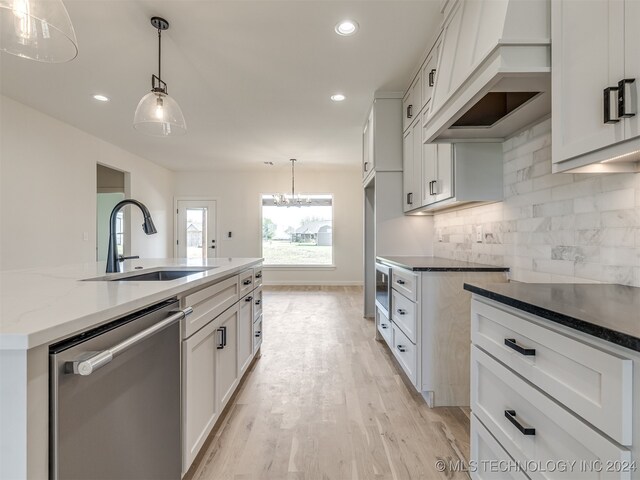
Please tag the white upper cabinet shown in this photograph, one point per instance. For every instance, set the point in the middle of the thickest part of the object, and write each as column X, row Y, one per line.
column 429, row 73
column 412, row 167
column 382, row 136
column 596, row 69
column 412, row 102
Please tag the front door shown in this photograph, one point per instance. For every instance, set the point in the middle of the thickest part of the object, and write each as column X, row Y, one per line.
column 196, row 229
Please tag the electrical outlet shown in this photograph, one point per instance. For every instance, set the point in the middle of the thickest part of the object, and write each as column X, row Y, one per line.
column 440, row 235
column 479, row 233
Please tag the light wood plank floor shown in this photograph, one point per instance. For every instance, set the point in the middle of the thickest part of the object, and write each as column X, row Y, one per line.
column 327, row 401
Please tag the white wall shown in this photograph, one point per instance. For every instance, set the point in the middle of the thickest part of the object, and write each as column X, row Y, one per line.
column 551, row 227
column 48, row 192
column 239, row 211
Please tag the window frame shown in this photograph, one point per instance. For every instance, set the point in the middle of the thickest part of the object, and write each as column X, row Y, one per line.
column 293, row 266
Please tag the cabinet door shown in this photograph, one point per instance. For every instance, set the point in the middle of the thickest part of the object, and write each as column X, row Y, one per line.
column 412, row 103
column 632, row 63
column 416, row 180
column 227, row 356
column 245, row 326
column 199, row 406
column 587, row 57
column 443, row 188
column 429, row 168
column 450, row 37
column 429, row 72
column 409, row 198
column 367, row 147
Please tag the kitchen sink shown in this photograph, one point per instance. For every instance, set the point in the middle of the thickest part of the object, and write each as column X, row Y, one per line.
column 163, row 275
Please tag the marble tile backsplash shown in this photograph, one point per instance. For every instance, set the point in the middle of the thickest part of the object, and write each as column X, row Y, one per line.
column 550, row 227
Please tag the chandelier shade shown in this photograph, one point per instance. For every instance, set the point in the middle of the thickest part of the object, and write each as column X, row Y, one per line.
column 38, row 30
column 158, row 114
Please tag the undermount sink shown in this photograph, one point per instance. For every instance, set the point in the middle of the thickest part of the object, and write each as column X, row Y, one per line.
column 164, row 275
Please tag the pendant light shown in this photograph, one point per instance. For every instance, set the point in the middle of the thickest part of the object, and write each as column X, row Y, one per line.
column 158, row 114
column 284, row 200
column 39, row 30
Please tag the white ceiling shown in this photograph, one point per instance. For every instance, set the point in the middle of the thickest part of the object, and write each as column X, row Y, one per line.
column 253, row 78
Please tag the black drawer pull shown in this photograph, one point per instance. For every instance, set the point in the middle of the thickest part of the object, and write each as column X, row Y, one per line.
column 384, row 326
column 401, row 311
column 247, row 282
column 432, row 76
column 511, row 343
column 401, row 348
column 258, row 302
column 511, row 416
column 400, row 282
column 248, row 299
column 410, row 111
column 607, row 105
column 624, row 110
column 258, row 333
column 259, row 275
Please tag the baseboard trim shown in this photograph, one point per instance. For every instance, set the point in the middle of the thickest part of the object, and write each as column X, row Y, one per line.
column 313, row 283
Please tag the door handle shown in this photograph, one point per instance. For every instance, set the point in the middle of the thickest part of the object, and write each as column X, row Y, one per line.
column 624, row 110
column 607, row 105
column 511, row 343
column 248, row 299
column 401, row 348
column 409, row 198
column 511, row 416
column 259, row 275
column 400, row 282
column 435, row 187
column 88, row 366
column 410, row 111
column 384, row 326
column 258, row 302
column 220, row 345
column 432, row 76
column 213, row 247
column 258, row 333
column 401, row 311
column 247, row 282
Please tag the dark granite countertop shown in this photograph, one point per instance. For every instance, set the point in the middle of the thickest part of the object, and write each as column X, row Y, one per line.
column 437, row 264
column 609, row 312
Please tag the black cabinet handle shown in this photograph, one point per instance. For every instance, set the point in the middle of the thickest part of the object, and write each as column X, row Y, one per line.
column 258, row 333
column 511, row 416
column 409, row 198
column 410, row 111
column 432, row 76
column 248, row 299
column 400, row 282
column 247, row 282
column 607, row 105
column 221, row 338
column 511, row 343
column 624, row 110
column 258, row 301
column 259, row 275
column 401, row 311
column 384, row 326
column 224, row 336
column 401, row 348
column 366, row 166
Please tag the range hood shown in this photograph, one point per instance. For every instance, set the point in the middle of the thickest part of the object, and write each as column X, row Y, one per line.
column 494, row 71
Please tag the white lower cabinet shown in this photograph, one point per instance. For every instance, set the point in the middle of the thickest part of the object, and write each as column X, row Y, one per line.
column 384, row 327
column 257, row 334
column 200, row 409
column 489, row 461
column 405, row 352
column 214, row 358
column 558, row 405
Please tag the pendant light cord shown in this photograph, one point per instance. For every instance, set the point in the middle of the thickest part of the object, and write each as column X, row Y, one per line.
column 293, row 179
column 159, row 54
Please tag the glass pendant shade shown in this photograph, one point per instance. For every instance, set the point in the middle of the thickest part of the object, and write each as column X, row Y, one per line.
column 159, row 115
column 39, row 30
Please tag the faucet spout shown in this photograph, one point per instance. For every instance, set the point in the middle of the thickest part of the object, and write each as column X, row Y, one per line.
column 113, row 261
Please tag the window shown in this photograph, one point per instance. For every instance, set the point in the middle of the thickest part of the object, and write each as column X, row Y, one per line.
column 298, row 235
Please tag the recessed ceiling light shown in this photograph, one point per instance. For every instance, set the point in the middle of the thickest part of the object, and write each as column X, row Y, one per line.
column 101, row 98
column 338, row 97
column 347, row 27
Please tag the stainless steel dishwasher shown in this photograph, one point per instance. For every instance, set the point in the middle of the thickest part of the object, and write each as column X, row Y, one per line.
column 115, row 399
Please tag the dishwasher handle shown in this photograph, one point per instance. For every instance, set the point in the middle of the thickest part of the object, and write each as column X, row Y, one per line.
column 89, row 365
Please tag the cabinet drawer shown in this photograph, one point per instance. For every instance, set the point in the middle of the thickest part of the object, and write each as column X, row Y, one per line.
column 257, row 276
column 486, row 452
column 555, row 433
column 405, row 282
column 246, row 282
column 404, row 315
column 257, row 334
column 257, row 303
column 595, row 384
column 208, row 303
column 384, row 327
column 405, row 352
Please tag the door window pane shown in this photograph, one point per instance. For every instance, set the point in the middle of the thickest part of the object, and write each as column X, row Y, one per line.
column 299, row 234
column 196, row 232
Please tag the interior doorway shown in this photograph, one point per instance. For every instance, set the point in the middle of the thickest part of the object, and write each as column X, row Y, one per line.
column 111, row 189
column 196, row 229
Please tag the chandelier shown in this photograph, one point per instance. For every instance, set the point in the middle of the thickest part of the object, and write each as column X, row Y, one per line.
column 286, row 200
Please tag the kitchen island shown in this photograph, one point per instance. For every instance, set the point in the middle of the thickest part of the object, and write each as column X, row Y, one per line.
column 39, row 307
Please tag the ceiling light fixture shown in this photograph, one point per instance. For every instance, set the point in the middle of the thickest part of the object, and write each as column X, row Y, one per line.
column 285, row 200
column 347, row 27
column 157, row 113
column 101, row 98
column 338, row 97
column 38, row 30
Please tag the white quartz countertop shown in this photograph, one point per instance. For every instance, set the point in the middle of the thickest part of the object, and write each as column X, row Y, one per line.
column 41, row 306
